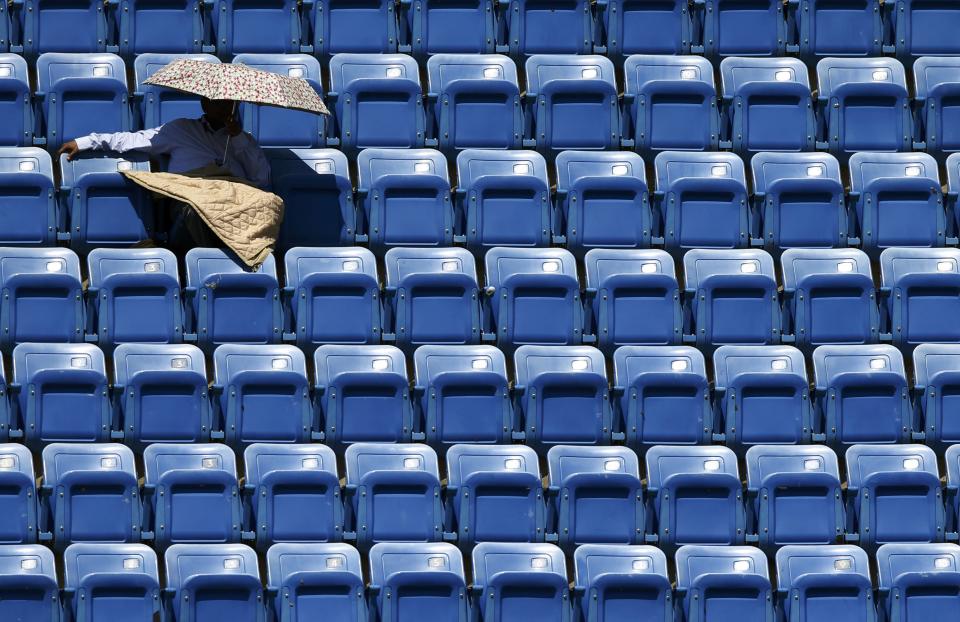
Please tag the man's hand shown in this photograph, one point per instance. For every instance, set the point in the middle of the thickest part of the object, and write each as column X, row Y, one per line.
column 234, row 127
column 69, row 148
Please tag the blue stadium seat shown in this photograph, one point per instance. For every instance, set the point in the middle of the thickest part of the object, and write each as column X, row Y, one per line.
column 732, row 297
column 81, row 93
column 156, row 105
column 520, row 582
column 824, row 583
column 829, row 297
column 917, row 581
column 663, row 396
column 76, row 26
column 732, row 28
column 723, row 584
column 864, row 104
column 415, row 581
column 347, row 26
column 767, row 102
column 922, row 28
column 572, row 102
column 670, row 102
column 15, row 103
column 762, row 395
column 28, row 200
column 835, row 28
column 255, row 27
column 156, row 27
column 61, row 393
column 314, row 581
column 936, row 372
column 475, row 98
column 294, row 493
column 632, row 297
column 862, row 394
column 28, row 583
column 432, row 296
column 160, row 392
column 893, row 495
column 602, row 201
column 617, row 583
column 18, row 496
column 595, row 496
column 376, row 100
column 42, row 296
column 134, row 296
column 503, row 198
column 897, row 200
column 951, row 458
column 534, row 297
column 404, row 197
column 799, row 200
column 703, row 200
column 922, row 293
column 90, row 494
column 118, row 581
column 494, row 494
column 547, row 27
column 694, row 496
column 333, row 295
column 363, row 394
column 213, row 583
column 229, row 302
column 936, row 83
column 794, row 495
column 280, row 127
column 563, row 395
column 442, row 28
column 191, row 494
column 646, row 27
column 393, row 493
column 264, row 394
column 464, row 394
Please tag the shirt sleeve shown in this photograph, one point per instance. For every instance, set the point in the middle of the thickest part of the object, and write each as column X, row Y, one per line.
column 154, row 141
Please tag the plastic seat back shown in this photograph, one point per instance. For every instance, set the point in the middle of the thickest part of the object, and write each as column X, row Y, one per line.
column 922, row 29
column 418, row 581
column 78, row 26
column 936, row 82
column 42, row 296
column 646, row 27
column 256, row 27
column 439, row 28
column 744, row 29
column 830, row 28
column 112, row 580
column 723, row 584
column 28, row 583
column 149, row 26
column 280, row 127
column 157, row 105
column 519, row 581
column 345, row 26
column 936, row 373
column 28, row 215
column 15, row 86
column 317, row 194
column 922, row 288
column 316, row 580
column 615, row 582
column 534, row 27
column 918, row 580
column 823, row 582
column 213, row 582
column 18, row 496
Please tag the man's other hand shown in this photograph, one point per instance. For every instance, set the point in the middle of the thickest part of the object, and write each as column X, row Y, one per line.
column 69, row 148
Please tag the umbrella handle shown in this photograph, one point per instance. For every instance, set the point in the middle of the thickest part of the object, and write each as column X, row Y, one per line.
column 226, row 147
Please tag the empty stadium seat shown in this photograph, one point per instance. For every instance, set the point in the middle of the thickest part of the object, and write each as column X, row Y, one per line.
column 663, row 396
column 572, row 102
column 936, row 373
column 703, row 200
column 763, row 395
column 404, row 197
column 864, row 104
column 723, row 584
column 346, row 26
column 862, row 394
column 294, row 493
column 602, row 201
column 281, row 127
column 28, row 200
column 824, row 583
column 363, row 394
column 28, row 576
column 893, row 495
column 415, row 581
column 829, row 297
column 230, row 303
column 936, row 83
column 563, row 395
column 264, row 394
column 134, row 296
column 90, row 493
column 255, row 27
column 767, row 101
column 111, row 580
column 503, row 198
column 794, row 495
column 464, row 394
column 799, row 200
column 475, row 98
column 732, row 297
column 922, row 291
column 393, row 493
column 376, row 100
column 432, row 296
column 156, row 105
column 632, row 298
column 534, row 297
column 917, row 581
column 440, row 28
column 15, row 103
column 694, row 496
column 61, row 393
column 212, row 582
column 42, row 296
column 832, row 28
column 153, row 27
column 619, row 583
column 538, row 27
column 671, row 102
column 312, row 581
column 18, row 496
column 923, row 29
column 646, row 27
column 161, row 394
column 75, row 26
column 333, row 295
column 494, row 494
column 595, row 496
column 743, row 28
column 191, row 494
column 951, row 458
column 520, row 582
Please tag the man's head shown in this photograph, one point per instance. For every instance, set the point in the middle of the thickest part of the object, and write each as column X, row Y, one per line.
column 218, row 111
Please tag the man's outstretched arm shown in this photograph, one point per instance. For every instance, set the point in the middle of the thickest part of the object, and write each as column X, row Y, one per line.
column 145, row 141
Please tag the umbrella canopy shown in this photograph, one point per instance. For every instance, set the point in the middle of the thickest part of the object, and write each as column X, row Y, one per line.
column 239, row 83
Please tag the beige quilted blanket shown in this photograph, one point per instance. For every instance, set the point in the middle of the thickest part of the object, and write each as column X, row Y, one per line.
column 246, row 218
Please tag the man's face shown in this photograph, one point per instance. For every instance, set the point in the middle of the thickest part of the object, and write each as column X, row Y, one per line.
column 217, row 110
